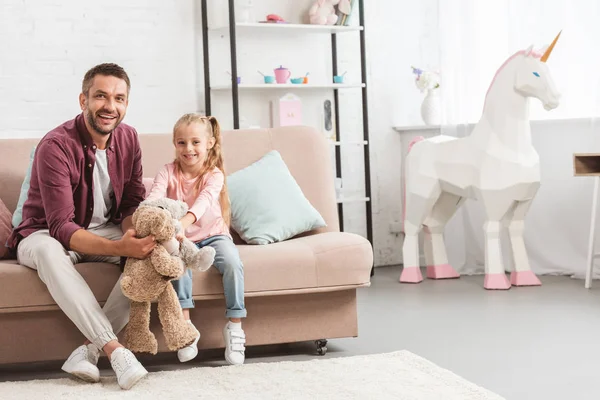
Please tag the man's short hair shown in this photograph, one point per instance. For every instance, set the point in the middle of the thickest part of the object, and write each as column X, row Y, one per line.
column 107, row 69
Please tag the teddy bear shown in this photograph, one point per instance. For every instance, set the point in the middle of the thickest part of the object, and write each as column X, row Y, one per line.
column 148, row 280
column 322, row 12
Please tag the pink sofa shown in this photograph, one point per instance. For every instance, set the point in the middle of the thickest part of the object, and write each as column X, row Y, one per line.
column 297, row 290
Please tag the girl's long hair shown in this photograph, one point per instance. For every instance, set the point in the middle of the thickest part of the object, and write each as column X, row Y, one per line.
column 214, row 158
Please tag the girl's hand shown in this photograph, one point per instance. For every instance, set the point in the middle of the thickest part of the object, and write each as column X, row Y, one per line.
column 187, row 220
column 180, row 236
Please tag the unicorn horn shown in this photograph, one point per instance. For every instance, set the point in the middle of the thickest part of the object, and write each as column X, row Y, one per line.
column 549, row 50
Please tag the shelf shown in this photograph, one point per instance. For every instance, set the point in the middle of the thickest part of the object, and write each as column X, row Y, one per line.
column 351, row 199
column 586, row 164
column 348, row 142
column 275, row 86
column 417, row 128
column 303, row 28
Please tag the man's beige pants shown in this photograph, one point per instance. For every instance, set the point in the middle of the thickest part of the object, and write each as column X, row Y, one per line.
column 55, row 266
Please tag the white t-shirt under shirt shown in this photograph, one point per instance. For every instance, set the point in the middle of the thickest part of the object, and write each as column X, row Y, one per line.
column 102, row 191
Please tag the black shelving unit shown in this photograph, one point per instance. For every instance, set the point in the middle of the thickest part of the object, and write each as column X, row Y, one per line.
column 338, row 150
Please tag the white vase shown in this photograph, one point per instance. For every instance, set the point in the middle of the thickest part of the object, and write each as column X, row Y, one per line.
column 431, row 108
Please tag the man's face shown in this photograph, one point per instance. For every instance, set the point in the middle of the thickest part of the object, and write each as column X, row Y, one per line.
column 106, row 103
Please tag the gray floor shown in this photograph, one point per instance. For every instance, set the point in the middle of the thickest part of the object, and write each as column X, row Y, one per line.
column 525, row 343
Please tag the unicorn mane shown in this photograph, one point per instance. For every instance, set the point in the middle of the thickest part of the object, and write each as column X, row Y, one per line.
column 534, row 53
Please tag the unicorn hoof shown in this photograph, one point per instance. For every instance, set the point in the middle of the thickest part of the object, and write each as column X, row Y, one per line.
column 411, row 275
column 496, row 282
column 524, row 278
column 442, row 271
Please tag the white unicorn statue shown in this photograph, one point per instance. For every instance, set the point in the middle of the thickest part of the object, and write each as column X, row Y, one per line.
column 496, row 164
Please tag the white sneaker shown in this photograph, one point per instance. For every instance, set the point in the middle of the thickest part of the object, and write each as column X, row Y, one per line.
column 190, row 351
column 128, row 369
column 235, row 340
column 82, row 363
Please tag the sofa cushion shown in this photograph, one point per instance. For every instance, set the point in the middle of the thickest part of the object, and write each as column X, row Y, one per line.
column 325, row 260
column 5, row 228
column 27, row 290
column 267, row 205
column 18, row 214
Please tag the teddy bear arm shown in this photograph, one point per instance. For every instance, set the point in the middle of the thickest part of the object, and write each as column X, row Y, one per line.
column 195, row 258
column 165, row 264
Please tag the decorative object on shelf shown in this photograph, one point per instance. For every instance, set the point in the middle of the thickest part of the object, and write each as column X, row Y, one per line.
column 431, row 108
column 282, row 74
column 443, row 171
column 328, row 127
column 429, row 81
column 339, row 78
column 343, row 11
column 274, row 19
column 239, row 78
column 297, row 80
column 306, row 78
column 267, row 78
column 322, row 12
column 287, row 110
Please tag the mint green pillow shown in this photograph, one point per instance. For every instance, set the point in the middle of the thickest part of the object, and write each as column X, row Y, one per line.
column 267, row 205
column 18, row 214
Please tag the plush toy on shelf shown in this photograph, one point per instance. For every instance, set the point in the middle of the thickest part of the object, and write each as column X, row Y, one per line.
column 322, row 12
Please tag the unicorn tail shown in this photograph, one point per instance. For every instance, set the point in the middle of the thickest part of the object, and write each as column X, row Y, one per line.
column 416, row 140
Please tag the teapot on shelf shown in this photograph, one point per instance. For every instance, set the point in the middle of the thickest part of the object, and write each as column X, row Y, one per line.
column 282, row 74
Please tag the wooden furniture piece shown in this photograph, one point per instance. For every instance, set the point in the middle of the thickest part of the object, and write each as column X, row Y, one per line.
column 588, row 164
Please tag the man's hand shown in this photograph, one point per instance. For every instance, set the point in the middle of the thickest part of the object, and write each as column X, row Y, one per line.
column 130, row 246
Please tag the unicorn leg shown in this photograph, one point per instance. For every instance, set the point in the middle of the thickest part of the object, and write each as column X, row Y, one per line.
column 434, row 246
column 495, row 276
column 417, row 209
column 436, row 258
column 411, row 271
column 496, row 209
column 522, row 275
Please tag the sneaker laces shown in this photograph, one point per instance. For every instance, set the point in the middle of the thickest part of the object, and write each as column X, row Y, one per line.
column 122, row 360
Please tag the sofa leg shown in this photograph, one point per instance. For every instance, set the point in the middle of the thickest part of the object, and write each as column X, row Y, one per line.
column 321, row 346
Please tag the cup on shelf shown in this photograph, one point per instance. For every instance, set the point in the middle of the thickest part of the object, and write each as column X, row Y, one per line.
column 297, row 80
column 239, row 78
column 338, row 79
column 269, row 78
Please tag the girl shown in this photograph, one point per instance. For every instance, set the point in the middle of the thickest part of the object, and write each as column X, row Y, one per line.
column 197, row 177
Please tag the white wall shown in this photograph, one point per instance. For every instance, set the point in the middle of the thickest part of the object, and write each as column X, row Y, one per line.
column 47, row 46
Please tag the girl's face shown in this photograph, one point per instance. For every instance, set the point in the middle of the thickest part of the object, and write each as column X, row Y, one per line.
column 192, row 143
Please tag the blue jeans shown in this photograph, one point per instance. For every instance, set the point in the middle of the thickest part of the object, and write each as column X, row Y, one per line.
column 229, row 264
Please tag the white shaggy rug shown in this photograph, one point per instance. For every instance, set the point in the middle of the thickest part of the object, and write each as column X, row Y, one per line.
column 398, row 375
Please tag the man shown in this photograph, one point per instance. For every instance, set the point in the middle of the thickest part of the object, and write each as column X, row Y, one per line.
column 86, row 180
